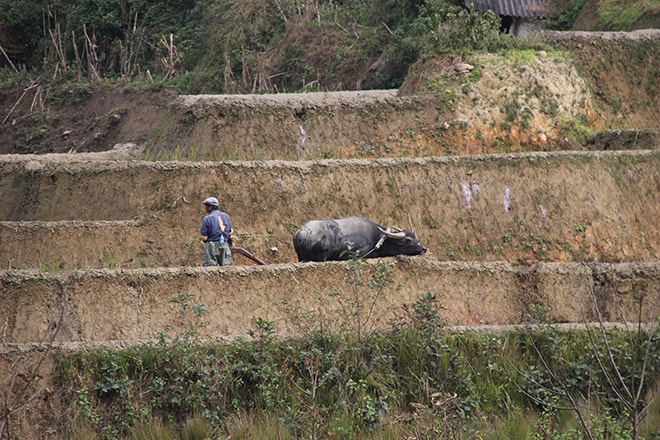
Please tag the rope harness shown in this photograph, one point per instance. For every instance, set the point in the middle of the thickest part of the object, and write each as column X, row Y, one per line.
column 380, row 242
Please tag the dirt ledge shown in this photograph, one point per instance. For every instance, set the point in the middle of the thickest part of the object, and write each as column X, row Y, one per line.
column 8, row 350
column 139, row 300
column 562, row 206
column 80, row 163
column 298, row 102
column 636, row 35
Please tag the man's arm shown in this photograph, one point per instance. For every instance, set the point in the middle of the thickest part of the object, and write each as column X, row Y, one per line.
column 204, row 231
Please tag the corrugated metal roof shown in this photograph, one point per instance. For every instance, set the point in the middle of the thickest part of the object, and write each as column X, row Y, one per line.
column 514, row 8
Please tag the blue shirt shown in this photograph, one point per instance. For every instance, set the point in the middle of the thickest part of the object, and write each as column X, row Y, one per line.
column 211, row 226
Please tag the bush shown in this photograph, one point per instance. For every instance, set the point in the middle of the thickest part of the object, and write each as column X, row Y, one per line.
column 318, row 383
column 444, row 27
column 126, row 33
column 240, row 47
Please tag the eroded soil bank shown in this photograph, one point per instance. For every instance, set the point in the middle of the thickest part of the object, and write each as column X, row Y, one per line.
column 519, row 208
column 143, row 302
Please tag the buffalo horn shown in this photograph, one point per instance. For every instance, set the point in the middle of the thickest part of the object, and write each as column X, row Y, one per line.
column 394, row 235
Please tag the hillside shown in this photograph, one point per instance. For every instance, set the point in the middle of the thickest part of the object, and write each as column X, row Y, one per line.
column 541, row 93
column 528, row 167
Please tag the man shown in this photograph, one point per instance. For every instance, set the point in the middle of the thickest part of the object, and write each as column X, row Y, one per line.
column 216, row 235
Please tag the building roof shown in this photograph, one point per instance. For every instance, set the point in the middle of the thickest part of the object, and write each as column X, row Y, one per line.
column 514, row 8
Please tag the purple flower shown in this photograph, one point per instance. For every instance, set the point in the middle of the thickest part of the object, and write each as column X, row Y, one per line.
column 507, row 198
column 543, row 212
column 475, row 188
column 467, row 196
column 593, row 202
column 303, row 135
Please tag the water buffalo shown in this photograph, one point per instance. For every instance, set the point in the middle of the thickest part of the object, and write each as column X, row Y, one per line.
column 324, row 240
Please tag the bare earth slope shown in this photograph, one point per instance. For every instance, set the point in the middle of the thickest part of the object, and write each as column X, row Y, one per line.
column 140, row 300
column 521, row 208
column 36, row 118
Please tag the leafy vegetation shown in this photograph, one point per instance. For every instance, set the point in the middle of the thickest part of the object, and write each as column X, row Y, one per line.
column 624, row 15
column 409, row 378
column 567, row 14
column 126, row 34
column 247, row 46
column 257, row 45
column 608, row 15
column 219, row 45
column 321, row 384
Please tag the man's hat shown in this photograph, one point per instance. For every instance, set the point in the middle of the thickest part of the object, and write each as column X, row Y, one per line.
column 211, row 201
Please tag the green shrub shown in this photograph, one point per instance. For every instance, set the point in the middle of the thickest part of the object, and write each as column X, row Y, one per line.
column 566, row 15
column 240, row 47
column 442, row 26
column 126, row 33
column 320, row 382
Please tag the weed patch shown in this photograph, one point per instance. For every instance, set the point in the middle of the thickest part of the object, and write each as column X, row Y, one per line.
column 320, row 382
column 366, row 379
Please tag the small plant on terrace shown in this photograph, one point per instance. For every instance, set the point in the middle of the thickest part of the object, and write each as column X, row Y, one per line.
column 423, row 314
column 538, row 314
column 191, row 313
column 367, row 285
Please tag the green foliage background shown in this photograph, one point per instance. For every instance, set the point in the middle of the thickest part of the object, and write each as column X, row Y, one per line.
column 25, row 25
column 244, row 46
column 264, row 45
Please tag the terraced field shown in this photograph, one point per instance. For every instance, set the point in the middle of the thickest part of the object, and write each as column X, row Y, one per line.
column 87, row 240
column 578, row 206
column 93, row 250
